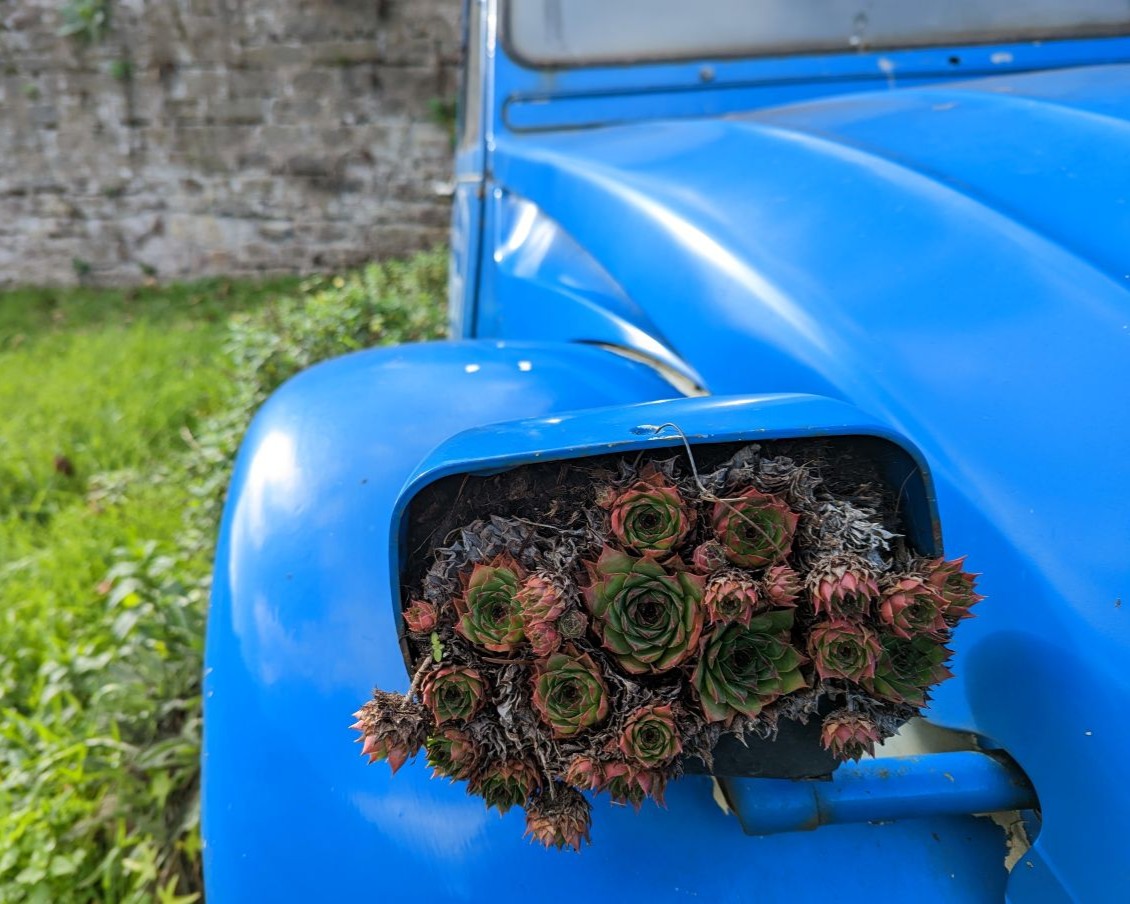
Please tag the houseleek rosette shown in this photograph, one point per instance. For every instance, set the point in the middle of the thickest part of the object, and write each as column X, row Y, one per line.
column 754, row 529
column 956, row 586
column 569, row 692
column 560, row 819
column 420, row 617
column 744, row 668
column 648, row 619
column 454, row 693
column 651, row 736
column 392, row 728
column 490, row 614
column 842, row 586
column 731, row 597
column 907, row 668
column 912, row 608
column 650, row 516
column 452, row 753
column 506, row 784
column 843, row 649
column 849, row 735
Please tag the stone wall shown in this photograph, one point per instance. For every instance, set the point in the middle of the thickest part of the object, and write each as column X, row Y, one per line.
column 203, row 137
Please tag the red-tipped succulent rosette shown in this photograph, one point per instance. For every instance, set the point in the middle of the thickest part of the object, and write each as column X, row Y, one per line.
column 454, row 693
column 731, row 596
column 559, row 819
column 420, row 617
column 781, row 586
column 849, row 735
column 956, row 586
column 490, row 615
column 912, row 608
column 743, row 668
column 651, row 736
column 842, row 586
column 843, row 649
column 569, row 692
column 648, row 619
column 392, row 728
column 650, row 516
column 754, row 528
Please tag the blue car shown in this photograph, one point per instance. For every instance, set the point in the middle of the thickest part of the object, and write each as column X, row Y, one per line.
column 900, row 225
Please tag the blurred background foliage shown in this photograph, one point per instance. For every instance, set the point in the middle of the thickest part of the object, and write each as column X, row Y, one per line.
column 122, row 411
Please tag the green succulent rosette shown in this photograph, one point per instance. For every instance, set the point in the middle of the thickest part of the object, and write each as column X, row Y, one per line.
column 843, row 649
column 651, row 736
column 742, row 669
column 454, row 693
column 754, row 529
column 490, row 613
column 650, row 516
column 650, row 620
column 507, row 784
column 956, row 586
column 452, row 754
column 569, row 692
column 908, row 668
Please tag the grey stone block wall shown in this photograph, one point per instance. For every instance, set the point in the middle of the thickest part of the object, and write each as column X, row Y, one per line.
column 236, row 137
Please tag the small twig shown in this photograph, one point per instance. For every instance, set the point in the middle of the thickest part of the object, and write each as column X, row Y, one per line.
column 423, row 667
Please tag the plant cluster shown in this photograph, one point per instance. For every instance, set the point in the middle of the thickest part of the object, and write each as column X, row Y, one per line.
column 595, row 650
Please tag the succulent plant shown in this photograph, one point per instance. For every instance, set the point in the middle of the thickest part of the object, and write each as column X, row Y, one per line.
column 731, row 596
column 911, row 608
column 544, row 637
column 542, row 598
column 490, row 615
column 628, row 784
column 651, row 736
column 849, row 735
column 907, row 668
column 559, row 819
column 709, row 557
column 650, row 516
column 843, row 649
column 453, row 693
column 956, row 587
column 572, row 624
column 569, row 692
column 392, row 727
column 506, row 784
column 452, row 754
column 420, row 617
column 754, row 529
column 842, row 586
column 781, row 586
column 743, row 668
column 648, row 619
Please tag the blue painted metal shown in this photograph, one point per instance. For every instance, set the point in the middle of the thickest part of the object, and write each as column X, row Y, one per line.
column 882, row 790
column 672, row 424
column 945, row 264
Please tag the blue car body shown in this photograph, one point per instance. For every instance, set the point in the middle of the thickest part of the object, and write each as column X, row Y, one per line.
column 887, row 244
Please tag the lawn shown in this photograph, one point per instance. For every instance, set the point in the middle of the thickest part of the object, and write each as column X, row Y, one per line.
column 119, row 414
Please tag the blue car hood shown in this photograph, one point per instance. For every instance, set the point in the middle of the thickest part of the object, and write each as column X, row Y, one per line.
column 954, row 261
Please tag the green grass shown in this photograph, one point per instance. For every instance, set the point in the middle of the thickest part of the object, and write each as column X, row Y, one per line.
column 119, row 415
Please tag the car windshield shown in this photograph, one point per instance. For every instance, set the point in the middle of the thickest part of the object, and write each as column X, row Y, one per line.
column 578, row 32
